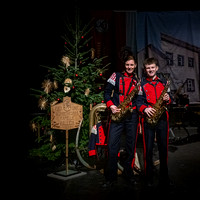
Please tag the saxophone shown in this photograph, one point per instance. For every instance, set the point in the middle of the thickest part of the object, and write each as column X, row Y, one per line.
column 125, row 109
column 159, row 107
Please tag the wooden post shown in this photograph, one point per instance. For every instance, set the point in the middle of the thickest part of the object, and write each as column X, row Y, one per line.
column 67, row 156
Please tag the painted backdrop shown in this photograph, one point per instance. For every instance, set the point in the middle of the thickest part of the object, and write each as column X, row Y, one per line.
column 174, row 39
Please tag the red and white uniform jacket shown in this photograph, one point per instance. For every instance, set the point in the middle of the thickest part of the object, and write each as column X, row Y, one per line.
column 97, row 137
column 122, row 84
column 150, row 91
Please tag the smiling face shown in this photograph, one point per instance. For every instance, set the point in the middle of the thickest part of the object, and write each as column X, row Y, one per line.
column 151, row 70
column 150, row 67
column 130, row 66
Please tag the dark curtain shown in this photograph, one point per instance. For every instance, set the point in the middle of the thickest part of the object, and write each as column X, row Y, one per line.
column 109, row 36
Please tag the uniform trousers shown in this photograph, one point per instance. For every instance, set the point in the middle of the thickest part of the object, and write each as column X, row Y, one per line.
column 161, row 133
column 129, row 127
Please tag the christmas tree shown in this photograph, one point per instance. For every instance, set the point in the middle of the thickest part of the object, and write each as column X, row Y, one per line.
column 79, row 75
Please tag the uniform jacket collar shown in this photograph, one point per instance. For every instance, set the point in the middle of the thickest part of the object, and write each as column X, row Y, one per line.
column 127, row 75
column 151, row 79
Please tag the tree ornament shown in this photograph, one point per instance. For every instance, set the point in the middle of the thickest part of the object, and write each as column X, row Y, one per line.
column 55, row 84
column 67, row 82
column 42, row 103
column 99, row 71
column 34, row 126
column 47, row 85
column 51, row 138
column 66, row 61
column 87, row 91
column 53, row 147
column 66, row 89
column 92, row 53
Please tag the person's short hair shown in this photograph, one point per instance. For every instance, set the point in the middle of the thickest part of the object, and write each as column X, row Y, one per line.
column 149, row 61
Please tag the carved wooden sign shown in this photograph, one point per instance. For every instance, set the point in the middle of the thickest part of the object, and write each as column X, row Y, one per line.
column 66, row 115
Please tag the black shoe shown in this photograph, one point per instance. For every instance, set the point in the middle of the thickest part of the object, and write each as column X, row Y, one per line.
column 149, row 183
column 108, row 184
column 131, row 178
column 133, row 181
column 168, row 183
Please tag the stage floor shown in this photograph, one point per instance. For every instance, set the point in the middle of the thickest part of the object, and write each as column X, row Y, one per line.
column 184, row 170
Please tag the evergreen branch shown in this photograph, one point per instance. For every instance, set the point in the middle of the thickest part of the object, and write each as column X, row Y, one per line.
column 45, row 66
column 41, row 93
column 85, row 42
column 68, row 27
column 104, row 68
column 83, row 54
column 97, row 60
column 66, row 39
column 70, row 50
column 61, row 66
column 87, row 25
column 70, row 54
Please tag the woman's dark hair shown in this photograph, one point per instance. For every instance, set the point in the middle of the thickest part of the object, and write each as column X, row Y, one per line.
column 126, row 54
column 131, row 57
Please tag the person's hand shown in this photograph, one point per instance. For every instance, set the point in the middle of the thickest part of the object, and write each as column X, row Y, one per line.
column 114, row 109
column 149, row 111
column 166, row 97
